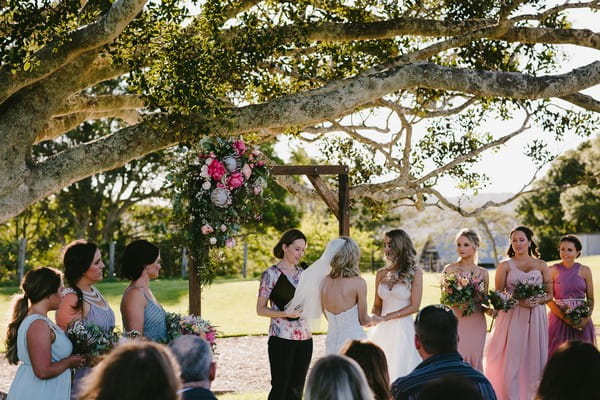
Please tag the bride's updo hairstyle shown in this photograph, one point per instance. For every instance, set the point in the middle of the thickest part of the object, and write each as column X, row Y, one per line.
column 345, row 263
column 403, row 261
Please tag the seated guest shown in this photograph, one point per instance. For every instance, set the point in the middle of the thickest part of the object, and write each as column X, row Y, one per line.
column 335, row 377
column 372, row 360
column 436, row 340
column 135, row 370
column 572, row 373
column 452, row 387
column 198, row 370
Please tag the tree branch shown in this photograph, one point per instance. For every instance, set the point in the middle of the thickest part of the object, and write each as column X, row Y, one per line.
column 583, row 100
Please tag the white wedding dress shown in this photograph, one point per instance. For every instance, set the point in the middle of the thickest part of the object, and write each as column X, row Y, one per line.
column 397, row 336
column 342, row 327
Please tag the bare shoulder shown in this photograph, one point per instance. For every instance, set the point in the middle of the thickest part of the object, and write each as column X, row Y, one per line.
column 133, row 295
column 484, row 272
column 541, row 264
column 585, row 270
column 450, row 268
column 69, row 299
column 419, row 272
column 39, row 326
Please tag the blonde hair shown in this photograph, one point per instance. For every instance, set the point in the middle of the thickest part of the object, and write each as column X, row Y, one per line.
column 135, row 370
column 404, row 256
column 346, row 261
column 472, row 237
column 337, row 377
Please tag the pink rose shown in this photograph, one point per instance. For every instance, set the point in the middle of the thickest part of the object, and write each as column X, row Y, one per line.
column 216, row 170
column 230, row 242
column 260, row 163
column 240, row 147
column 246, row 171
column 206, row 229
column 257, row 189
column 235, row 180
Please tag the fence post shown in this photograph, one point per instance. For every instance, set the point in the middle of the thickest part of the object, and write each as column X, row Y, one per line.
column 184, row 263
column 245, row 265
column 111, row 259
column 21, row 258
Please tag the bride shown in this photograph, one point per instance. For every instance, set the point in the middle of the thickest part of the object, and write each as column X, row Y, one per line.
column 333, row 285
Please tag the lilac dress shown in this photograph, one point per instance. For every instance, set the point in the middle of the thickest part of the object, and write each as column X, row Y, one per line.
column 567, row 285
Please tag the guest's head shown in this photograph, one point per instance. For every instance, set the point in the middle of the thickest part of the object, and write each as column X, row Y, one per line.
column 336, row 377
column 467, row 243
column 290, row 246
column 521, row 239
column 372, row 360
column 571, row 373
column 135, row 370
column 400, row 254
column 140, row 257
column 436, row 330
column 83, row 264
column 345, row 263
column 569, row 245
column 38, row 285
column 451, row 387
column 195, row 359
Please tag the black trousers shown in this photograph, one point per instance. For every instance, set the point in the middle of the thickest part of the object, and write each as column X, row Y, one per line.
column 289, row 361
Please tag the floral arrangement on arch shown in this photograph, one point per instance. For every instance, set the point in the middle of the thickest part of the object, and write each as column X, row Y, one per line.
column 219, row 188
column 178, row 325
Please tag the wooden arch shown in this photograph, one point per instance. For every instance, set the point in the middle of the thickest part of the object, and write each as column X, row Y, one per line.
column 340, row 208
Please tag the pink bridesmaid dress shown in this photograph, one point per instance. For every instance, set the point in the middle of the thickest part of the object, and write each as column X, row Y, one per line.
column 568, row 285
column 517, row 349
column 471, row 336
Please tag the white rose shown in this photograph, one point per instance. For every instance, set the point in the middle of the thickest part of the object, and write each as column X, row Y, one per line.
column 221, row 197
column 206, row 185
column 204, row 171
column 212, row 240
column 223, row 228
column 230, row 163
column 208, row 160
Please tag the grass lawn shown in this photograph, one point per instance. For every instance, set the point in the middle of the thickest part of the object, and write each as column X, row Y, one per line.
column 231, row 304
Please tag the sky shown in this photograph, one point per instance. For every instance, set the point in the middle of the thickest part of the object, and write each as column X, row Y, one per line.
column 509, row 169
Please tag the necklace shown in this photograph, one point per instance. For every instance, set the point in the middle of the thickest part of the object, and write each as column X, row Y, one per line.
column 93, row 296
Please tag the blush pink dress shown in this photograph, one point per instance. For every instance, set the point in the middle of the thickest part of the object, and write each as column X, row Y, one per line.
column 517, row 349
column 471, row 336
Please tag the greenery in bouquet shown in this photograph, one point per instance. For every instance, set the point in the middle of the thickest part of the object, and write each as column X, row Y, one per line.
column 178, row 325
column 218, row 187
column 462, row 290
column 527, row 289
column 575, row 310
column 500, row 300
column 90, row 340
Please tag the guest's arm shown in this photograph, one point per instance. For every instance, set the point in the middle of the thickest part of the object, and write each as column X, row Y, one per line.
column 39, row 344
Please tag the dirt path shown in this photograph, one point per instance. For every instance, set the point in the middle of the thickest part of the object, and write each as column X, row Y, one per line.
column 242, row 364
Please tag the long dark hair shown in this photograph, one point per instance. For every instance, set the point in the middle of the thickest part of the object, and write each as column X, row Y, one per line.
column 36, row 285
column 533, row 247
column 373, row 362
column 77, row 259
column 288, row 237
column 137, row 255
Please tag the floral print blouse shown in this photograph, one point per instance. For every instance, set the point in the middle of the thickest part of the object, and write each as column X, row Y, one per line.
column 282, row 327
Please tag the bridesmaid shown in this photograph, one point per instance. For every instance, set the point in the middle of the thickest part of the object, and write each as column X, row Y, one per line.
column 43, row 349
column 471, row 328
column 140, row 310
column 570, row 281
column 517, row 349
column 82, row 301
column 290, row 344
column 398, row 292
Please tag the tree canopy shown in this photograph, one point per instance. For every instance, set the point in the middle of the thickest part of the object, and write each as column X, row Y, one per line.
column 185, row 69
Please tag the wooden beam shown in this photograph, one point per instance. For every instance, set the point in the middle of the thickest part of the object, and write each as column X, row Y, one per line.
column 309, row 169
column 344, row 204
column 326, row 194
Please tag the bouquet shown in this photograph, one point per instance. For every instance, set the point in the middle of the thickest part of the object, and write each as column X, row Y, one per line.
column 575, row 309
column 528, row 289
column 178, row 325
column 500, row 300
column 90, row 340
column 462, row 290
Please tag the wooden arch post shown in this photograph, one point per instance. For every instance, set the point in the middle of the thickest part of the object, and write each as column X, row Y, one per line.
column 340, row 208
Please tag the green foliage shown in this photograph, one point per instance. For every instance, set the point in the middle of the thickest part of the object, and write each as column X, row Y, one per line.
column 566, row 199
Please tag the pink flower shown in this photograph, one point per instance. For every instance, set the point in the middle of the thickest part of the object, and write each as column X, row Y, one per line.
column 230, row 242
column 246, row 171
column 206, row 229
column 260, row 163
column 216, row 170
column 257, row 189
column 240, row 147
column 235, row 180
